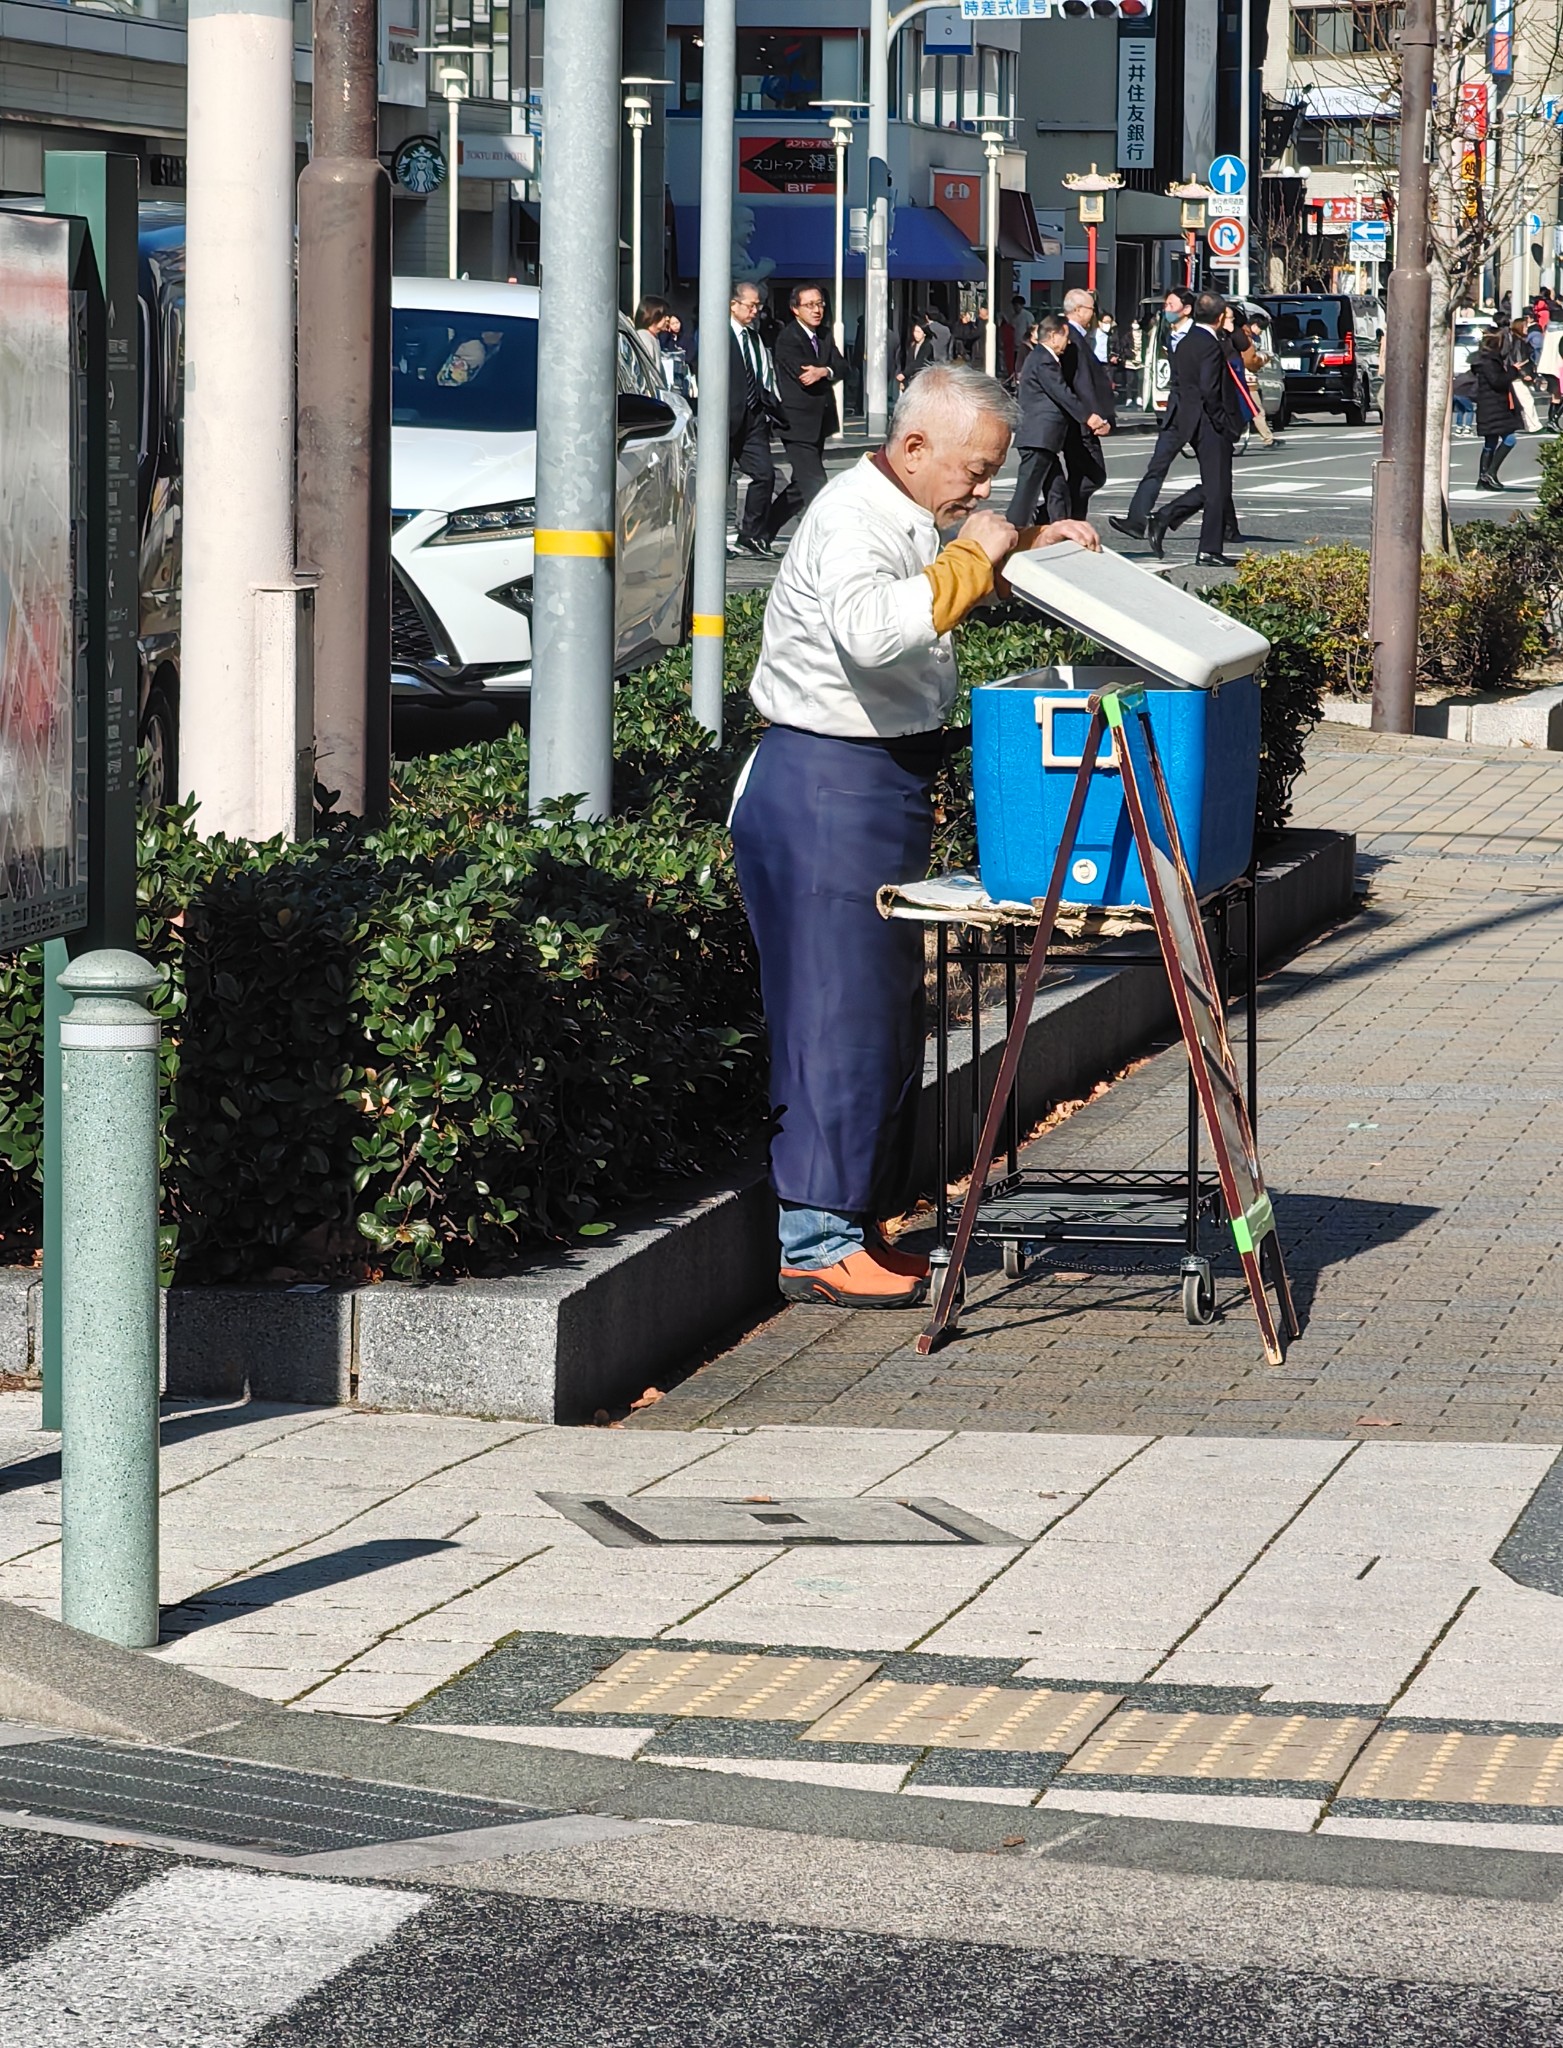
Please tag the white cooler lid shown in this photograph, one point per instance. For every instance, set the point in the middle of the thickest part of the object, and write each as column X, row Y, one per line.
column 1152, row 622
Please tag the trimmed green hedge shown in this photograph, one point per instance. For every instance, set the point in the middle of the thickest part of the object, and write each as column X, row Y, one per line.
column 427, row 1048
column 1483, row 617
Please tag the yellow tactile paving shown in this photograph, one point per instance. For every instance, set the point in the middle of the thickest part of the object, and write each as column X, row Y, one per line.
column 709, row 1683
column 1458, row 1768
column 997, row 1717
column 1300, row 1748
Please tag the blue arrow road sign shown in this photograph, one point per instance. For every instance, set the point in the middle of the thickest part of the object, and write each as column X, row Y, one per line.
column 1369, row 234
column 1228, row 174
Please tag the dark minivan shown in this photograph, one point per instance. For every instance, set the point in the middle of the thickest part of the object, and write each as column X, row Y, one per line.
column 1328, row 364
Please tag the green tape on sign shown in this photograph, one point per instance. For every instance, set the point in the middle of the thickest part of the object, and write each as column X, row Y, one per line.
column 1258, row 1223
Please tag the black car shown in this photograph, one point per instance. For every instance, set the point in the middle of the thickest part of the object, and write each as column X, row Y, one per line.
column 1330, row 364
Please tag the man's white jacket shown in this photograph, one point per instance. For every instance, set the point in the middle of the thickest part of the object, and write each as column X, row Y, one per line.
column 849, row 647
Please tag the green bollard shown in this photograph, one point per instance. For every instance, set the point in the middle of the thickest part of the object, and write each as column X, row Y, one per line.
column 109, row 1300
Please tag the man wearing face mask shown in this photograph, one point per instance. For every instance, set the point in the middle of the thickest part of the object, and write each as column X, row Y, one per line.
column 857, row 675
column 1178, row 318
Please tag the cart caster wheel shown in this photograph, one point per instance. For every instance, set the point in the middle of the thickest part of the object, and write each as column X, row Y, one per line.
column 936, row 1287
column 1016, row 1258
column 1199, row 1296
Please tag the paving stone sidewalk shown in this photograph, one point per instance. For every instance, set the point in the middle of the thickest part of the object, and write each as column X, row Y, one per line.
column 1303, row 1634
column 1411, row 1124
column 1150, row 1576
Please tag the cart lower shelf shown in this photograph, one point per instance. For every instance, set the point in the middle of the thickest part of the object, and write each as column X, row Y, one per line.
column 1102, row 1207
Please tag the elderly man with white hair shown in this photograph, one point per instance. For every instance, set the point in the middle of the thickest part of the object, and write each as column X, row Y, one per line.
column 1089, row 379
column 857, row 676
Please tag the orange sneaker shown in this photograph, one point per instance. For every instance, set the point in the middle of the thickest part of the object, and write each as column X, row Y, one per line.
column 914, row 1263
column 857, row 1281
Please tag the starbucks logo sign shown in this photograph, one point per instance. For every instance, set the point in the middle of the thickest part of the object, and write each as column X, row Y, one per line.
column 419, row 165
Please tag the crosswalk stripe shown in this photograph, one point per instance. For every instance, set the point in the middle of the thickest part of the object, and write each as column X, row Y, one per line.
column 195, row 1959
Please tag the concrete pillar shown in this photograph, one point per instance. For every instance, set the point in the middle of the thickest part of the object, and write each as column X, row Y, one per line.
column 577, row 397
column 237, row 706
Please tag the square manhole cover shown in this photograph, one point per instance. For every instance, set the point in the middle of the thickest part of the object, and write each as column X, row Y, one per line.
column 625, row 1521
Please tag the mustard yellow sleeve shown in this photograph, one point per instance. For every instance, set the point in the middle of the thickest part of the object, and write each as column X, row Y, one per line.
column 962, row 577
column 1028, row 539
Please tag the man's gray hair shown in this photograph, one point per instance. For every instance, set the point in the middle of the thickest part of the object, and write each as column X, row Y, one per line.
column 954, row 395
column 1079, row 300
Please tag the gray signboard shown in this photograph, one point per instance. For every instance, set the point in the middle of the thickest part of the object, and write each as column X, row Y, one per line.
column 43, row 676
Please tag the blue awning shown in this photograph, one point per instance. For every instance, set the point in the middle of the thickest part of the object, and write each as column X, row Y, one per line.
column 793, row 240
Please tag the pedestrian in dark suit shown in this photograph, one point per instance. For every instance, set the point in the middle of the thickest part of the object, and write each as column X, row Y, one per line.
column 808, row 365
column 1176, row 310
column 1206, row 411
column 1049, row 408
column 1087, row 376
column 754, row 410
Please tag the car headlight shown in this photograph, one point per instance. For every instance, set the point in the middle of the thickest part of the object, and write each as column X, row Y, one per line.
column 515, row 521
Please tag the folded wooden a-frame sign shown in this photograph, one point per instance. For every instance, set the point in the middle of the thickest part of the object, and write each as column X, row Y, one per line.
column 1201, row 1015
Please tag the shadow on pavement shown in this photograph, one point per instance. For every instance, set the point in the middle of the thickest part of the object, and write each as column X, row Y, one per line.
column 288, row 1581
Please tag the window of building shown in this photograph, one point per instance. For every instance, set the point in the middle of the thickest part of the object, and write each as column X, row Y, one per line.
column 482, row 26
column 939, row 90
column 1345, row 31
column 1348, row 142
column 779, row 70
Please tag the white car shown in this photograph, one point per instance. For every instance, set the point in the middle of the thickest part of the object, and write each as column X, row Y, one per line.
column 463, row 485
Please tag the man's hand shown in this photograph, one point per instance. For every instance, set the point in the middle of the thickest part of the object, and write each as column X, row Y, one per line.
column 1077, row 530
column 813, row 373
column 993, row 534
column 1099, row 427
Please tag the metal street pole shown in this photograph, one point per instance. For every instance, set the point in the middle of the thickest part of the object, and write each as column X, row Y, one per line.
column 841, row 129
column 344, row 409
column 992, row 149
column 577, row 416
column 1395, row 578
column 1245, row 125
column 101, row 190
column 841, row 141
column 109, row 1300
column 876, row 257
column 1521, row 208
column 455, row 84
column 238, row 709
column 639, row 112
column 718, row 86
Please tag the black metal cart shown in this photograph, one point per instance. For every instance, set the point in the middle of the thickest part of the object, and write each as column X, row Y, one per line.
column 1023, row 1207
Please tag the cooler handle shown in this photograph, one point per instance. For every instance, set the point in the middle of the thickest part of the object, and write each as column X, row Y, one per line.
column 1051, row 757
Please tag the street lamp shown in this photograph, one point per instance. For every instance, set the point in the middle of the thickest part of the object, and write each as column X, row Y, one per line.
column 1093, row 186
column 993, row 142
column 841, row 138
column 638, row 113
column 1195, row 200
column 454, row 85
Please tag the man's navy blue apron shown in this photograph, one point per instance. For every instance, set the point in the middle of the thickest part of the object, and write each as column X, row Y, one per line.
column 821, row 825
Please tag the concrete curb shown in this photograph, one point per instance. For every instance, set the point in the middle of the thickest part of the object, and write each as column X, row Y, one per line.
column 52, row 1676
column 56, row 1682
column 1534, row 718
column 581, row 1330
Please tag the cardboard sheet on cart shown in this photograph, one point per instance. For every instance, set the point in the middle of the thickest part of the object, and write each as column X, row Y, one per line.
column 961, row 899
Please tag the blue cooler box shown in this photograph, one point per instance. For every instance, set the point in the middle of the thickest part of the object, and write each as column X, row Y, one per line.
column 1027, row 736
